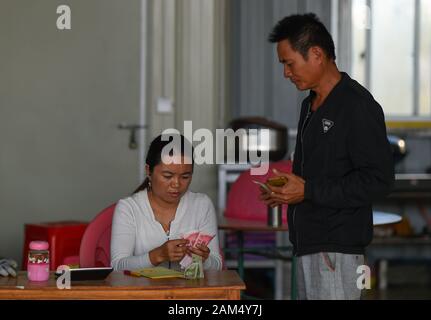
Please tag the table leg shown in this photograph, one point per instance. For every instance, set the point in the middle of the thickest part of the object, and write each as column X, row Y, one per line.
column 383, row 271
column 279, row 272
column 240, row 236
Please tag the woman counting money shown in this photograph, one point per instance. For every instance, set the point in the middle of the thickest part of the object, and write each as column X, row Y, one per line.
column 149, row 228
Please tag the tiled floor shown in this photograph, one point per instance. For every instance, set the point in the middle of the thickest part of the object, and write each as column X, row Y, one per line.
column 400, row 293
column 405, row 282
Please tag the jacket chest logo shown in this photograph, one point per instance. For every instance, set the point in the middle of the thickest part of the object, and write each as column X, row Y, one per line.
column 327, row 125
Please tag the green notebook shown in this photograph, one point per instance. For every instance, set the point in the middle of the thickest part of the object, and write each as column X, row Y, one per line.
column 157, row 273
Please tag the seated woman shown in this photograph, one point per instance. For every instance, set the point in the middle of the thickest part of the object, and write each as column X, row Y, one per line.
column 147, row 227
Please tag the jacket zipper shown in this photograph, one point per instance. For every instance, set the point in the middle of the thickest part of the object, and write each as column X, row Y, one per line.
column 302, row 163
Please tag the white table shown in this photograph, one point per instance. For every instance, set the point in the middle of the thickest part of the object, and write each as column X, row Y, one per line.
column 382, row 218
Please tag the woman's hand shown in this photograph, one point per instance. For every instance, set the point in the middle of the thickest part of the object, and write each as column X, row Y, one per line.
column 200, row 250
column 171, row 250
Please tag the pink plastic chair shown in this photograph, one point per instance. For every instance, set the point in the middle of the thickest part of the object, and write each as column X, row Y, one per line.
column 243, row 204
column 243, row 198
column 95, row 250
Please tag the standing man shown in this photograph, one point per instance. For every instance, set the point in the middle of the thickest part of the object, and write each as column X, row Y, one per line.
column 342, row 163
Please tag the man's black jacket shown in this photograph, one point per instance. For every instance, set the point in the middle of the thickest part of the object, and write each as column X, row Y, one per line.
column 346, row 161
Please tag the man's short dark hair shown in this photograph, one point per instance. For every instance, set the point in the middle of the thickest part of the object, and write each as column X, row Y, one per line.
column 303, row 31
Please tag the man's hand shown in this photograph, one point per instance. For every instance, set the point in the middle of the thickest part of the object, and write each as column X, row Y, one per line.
column 291, row 193
column 8, row 267
column 171, row 250
column 200, row 250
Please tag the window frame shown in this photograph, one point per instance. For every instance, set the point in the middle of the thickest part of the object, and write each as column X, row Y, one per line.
column 344, row 10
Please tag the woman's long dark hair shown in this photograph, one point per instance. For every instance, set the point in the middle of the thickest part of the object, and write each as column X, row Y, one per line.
column 154, row 154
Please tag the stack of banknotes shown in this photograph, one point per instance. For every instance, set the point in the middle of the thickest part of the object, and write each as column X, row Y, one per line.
column 192, row 264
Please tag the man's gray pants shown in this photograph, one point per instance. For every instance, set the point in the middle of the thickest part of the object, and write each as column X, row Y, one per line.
column 328, row 276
